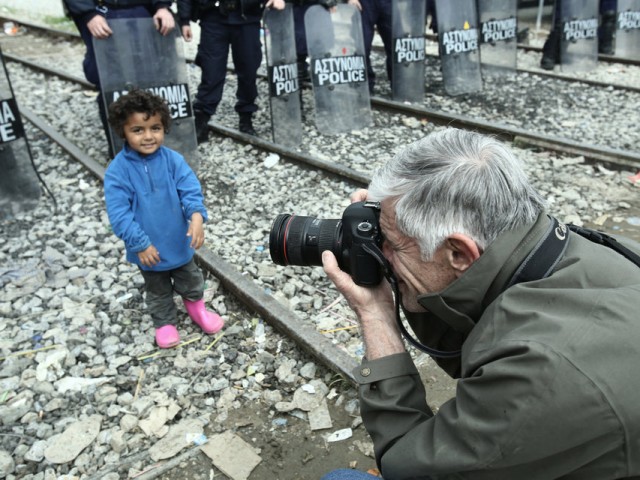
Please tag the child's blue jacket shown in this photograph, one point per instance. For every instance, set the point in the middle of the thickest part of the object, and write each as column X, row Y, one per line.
column 150, row 201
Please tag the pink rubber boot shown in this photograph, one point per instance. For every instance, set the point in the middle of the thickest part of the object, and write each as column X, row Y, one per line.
column 208, row 321
column 167, row 336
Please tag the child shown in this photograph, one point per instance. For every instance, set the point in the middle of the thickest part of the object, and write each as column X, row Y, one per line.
column 155, row 205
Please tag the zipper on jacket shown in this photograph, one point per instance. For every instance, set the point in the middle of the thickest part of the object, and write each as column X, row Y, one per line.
column 144, row 162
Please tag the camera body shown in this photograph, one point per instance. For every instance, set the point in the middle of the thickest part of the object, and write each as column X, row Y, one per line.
column 360, row 227
column 298, row 240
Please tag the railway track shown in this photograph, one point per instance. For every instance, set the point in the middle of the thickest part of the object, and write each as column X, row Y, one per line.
column 281, row 318
column 612, row 157
column 244, row 192
column 264, row 304
column 430, row 37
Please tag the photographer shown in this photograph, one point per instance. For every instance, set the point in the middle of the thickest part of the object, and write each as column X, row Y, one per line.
column 539, row 324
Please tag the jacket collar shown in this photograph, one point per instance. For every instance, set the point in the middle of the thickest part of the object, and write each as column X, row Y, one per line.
column 131, row 154
column 462, row 303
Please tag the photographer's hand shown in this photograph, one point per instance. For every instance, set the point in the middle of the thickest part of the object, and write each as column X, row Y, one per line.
column 374, row 307
column 359, row 195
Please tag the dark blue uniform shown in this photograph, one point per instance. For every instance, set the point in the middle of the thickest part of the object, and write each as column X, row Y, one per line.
column 377, row 13
column 551, row 48
column 300, row 8
column 235, row 24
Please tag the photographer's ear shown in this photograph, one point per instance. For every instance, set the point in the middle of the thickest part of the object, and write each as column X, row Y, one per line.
column 462, row 251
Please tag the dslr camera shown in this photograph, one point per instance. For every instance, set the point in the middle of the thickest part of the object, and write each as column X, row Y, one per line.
column 297, row 240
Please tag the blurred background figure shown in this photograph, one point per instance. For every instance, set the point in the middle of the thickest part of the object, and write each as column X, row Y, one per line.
column 224, row 24
column 300, row 7
column 551, row 48
column 376, row 15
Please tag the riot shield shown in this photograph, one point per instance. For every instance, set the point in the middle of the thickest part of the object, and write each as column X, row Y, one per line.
column 408, row 32
column 19, row 189
column 458, row 44
column 628, row 29
column 338, row 69
column 137, row 56
column 498, row 36
column 282, row 71
column 579, row 41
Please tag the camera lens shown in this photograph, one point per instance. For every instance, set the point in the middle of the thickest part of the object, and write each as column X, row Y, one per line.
column 296, row 240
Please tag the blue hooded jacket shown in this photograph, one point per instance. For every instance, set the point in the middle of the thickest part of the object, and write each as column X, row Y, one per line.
column 150, row 200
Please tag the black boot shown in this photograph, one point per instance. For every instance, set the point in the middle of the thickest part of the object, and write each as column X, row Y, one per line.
column 551, row 51
column 202, row 126
column 303, row 69
column 608, row 27
column 246, row 126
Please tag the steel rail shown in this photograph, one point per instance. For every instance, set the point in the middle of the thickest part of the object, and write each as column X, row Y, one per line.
column 604, row 58
column 340, row 171
column 251, row 295
column 49, row 70
column 428, row 36
column 558, row 76
column 35, row 26
column 613, row 158
column 525, row 46
column 601, row 57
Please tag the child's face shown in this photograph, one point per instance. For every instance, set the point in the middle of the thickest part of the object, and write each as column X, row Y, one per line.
column 144, row 136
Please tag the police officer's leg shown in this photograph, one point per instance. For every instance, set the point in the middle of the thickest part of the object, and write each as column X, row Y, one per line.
column 607, row 26
column 246, row 52
column 90, row 68
column 384, row 25
column 551, row 47
column 301, row 41
column 368, row 15
column 212, row 55
column 431, row 11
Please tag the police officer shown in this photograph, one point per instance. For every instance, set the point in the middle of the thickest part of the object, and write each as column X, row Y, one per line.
column 91, row 18
column 430, row 11
column 551, row 48
column 375, row 14
column 300, row 8
column 225, row 23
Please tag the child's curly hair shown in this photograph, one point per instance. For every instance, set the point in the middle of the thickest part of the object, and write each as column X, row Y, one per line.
column 137, row 101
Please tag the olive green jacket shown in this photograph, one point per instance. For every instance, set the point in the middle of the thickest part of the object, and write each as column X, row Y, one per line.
column 549, row 377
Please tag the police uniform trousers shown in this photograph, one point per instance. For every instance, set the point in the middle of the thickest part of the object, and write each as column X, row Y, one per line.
column 299, row 30
column 377, row 13
column 89, row 64
column 217, row 34
column 606, row 8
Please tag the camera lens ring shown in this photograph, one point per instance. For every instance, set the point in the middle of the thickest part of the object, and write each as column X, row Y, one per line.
column 278, row 230
column 300, row 240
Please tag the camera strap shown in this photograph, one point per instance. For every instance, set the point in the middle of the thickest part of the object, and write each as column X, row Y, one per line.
column 375, row 252
column 606, row 240
column 537, row 265
column 547, row 253
column 544, row 256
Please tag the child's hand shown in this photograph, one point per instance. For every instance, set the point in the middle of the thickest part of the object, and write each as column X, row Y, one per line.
column 149, row 257
column 196, row 232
